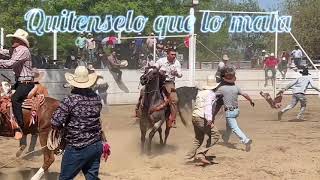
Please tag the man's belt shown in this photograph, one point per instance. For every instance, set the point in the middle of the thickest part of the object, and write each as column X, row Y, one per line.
column 25, row 82
column 231, row 108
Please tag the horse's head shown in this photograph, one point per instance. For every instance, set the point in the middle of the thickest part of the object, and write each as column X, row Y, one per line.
column 151, row 74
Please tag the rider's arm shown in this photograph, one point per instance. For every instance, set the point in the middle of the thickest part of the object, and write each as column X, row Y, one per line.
column 179, row 72
column 16, row 57
column 61, row 115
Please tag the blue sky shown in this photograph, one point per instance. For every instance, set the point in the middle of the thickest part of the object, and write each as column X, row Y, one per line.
column 270, row 4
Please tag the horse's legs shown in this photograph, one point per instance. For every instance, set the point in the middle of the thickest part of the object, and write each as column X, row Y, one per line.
column 160, row 135
column 143, row 130
column 152, row 132
column 48, row 156
column 167, row 131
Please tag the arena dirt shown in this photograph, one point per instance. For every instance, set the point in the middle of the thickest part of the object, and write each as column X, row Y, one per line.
column 281, row 150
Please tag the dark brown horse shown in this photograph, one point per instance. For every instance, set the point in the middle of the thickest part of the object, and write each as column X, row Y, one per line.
column 152, row 98
column 43, row 127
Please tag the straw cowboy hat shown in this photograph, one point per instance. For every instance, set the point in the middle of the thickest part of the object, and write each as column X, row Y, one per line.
column 225, row 57
column 210, row 84
column 81, row 78
column 21, row 35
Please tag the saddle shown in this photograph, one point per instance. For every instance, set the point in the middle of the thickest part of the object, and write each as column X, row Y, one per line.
column 34, row 101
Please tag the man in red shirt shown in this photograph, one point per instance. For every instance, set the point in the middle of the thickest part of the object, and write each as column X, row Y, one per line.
column 270, row 64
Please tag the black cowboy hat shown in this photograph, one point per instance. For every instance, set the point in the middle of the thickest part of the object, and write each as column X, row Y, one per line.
column 305, row 72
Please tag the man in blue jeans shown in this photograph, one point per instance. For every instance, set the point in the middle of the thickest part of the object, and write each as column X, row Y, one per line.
column 79, row 115
column 230, row 93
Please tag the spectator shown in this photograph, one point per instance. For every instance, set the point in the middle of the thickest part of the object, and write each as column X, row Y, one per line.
column 138, row 45
column 150, row 42
column 222, row 65
column 283, row 65
column 80, row 43
column 71, row 61
column 248, row 54
column 297, row 56
column 262, row 57
column 114, row 65
column 270, row 65
column 91, row 46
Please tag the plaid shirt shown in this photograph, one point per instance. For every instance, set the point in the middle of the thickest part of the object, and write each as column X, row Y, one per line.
column 79, row 115
column 20, row 63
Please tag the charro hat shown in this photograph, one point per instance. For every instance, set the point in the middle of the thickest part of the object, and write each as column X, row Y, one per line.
column 81, row 78
column 21, row 35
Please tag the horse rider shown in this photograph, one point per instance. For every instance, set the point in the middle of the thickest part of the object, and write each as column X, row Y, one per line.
column 21, row 64
column 169, row 67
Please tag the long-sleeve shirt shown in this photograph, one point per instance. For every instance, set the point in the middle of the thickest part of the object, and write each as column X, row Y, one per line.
column 91, row 43
column 21, row 64
column 81, row 42
column 79, row 115
column 301, row 84
column 204, row 105
column 168, row 67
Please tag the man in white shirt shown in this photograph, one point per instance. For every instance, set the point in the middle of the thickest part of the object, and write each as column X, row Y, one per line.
column 203, row 122
column 297, row 56
column 170, row 67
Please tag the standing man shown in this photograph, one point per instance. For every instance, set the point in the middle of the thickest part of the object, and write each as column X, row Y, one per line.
column 21, row 64
column 299, row 88
column 115, row 64
column 283, row 65
column 91, row 46
column 230, row 95
column 270, row 64
column 79, row 116
column 80, row 43
column 221, row 66
column 297, row 56
column 203, row 121
column 171, row 68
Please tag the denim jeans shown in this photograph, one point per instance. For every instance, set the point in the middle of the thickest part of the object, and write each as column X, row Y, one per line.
column 232, row 125
column 86, row 160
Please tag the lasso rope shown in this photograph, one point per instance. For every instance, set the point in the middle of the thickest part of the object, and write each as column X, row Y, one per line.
column 54, row 139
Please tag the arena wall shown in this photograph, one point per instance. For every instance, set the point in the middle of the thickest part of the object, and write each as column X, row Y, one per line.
column 127, row 92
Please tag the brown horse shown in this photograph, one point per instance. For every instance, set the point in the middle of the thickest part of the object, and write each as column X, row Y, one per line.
column 43, row 127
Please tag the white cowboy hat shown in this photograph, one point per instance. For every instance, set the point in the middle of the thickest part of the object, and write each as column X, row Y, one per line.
column 266, row 56
column 89, row 34
column 124, row 63
column 225, row 57
column 272, row 54
column 263, row 51
column 81, row 78
column 20, row 34
column 211, row 83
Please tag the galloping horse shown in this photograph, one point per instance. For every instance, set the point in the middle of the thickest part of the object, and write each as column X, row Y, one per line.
column 152, row 98
column 43, row 127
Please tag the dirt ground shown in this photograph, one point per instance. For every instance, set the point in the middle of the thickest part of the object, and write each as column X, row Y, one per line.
column 288, row 149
